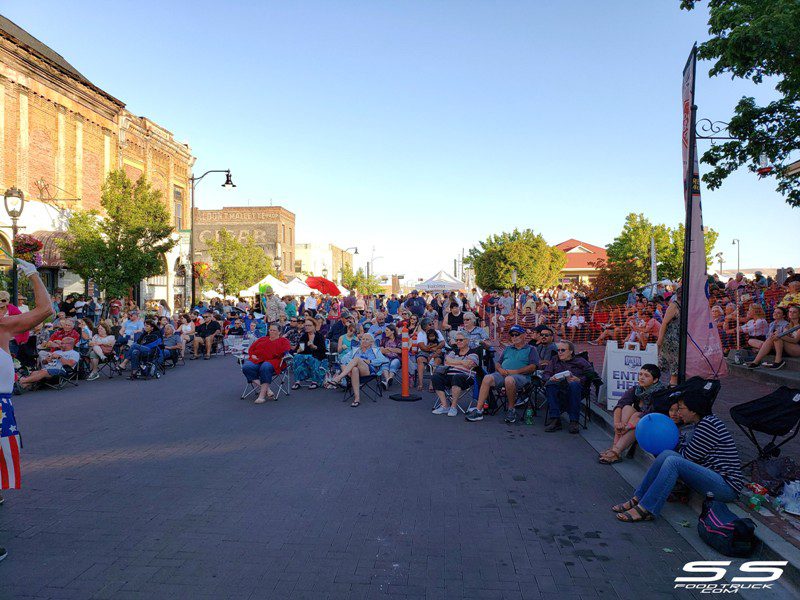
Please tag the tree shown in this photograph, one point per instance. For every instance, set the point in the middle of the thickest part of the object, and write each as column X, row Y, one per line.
column 236, row 265
column 632, row 247
column 756, row 39
column 537, row 263
column 125, row 244
column 359, row 281
column 615, row 278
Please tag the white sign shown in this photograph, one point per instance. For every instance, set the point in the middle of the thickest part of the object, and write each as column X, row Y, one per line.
column 621, row 368
column 717, row 569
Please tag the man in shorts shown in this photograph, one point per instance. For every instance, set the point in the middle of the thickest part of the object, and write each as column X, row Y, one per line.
column 55, row 363
column 518, row 362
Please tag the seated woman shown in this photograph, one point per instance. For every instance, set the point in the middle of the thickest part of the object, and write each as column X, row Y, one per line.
column 456, row 373
column 756, row 326
column 634, row 404
column 346, row 341
column 778, row 325
column 392, row 348
column 577, row 367
column 572, row 323
column 364, row 360
column 171, row 344
column 263, row 362
column 100, row 347
column 147, row 345
column 609, row 328
column 309, row 363
column 781, row 343
column 709, row 462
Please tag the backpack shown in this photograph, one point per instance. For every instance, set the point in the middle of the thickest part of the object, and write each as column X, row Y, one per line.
column 724, row 531
column 696, row 387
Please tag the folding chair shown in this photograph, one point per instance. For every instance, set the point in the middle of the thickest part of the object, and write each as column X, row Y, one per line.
column 526, row 396
column 281, row 383
column 61, row 381
column 110, row 365
column 369, row 385
column 777, row 414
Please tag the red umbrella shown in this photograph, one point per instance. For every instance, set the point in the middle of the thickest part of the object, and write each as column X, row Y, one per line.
column 326, row 286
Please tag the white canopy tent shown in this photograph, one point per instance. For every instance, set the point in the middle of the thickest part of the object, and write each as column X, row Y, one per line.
column 297, row 287
column 441, row 282
column 344, row 291
column 277, row 285
column 213, row 295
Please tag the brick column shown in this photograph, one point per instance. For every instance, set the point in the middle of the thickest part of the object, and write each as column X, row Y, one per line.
column 23, row 144
column 61, row 154
column 79, row 157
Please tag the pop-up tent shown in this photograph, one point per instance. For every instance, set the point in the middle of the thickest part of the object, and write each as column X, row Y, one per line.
column 441, row 282
column 296, row 287
column 277, row 285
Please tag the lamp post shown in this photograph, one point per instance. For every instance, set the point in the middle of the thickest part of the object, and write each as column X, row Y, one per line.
column 514, row 283
column 738, row 245
column 341, row 268
column 276, row 262
column 324, row 272
column 194, row 181
column 14, row 200
column 718, row 256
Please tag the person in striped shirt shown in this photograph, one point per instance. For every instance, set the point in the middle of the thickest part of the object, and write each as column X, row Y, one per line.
column 709, row 462
column 457, row 373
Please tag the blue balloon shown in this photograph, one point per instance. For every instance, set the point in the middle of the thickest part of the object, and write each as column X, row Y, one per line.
column 656, row 432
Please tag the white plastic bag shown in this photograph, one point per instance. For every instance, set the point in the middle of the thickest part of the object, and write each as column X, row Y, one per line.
column 790, row 498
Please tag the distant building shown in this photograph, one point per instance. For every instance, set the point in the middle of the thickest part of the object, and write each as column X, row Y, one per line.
column 316, row 257
column 272, row 228
column 582, row 259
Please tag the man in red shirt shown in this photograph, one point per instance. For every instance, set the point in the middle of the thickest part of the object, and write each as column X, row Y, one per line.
column 67, row 330
column 264, row 361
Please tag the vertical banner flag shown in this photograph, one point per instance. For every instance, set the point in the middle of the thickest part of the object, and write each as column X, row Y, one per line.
column 704, row 355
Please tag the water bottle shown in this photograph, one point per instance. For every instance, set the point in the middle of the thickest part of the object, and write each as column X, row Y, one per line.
column 529, row 416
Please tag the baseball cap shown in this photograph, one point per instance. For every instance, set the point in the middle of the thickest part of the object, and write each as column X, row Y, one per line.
column 517, row 329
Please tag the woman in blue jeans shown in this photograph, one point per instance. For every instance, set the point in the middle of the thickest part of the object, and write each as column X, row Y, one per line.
column 708, row 463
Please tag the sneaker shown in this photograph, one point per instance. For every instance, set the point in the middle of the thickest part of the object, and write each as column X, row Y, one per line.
column 385, row 384
column 555, row 425
column 3, row 553
column 511, row 416
column 574, row 427
column 93, row 376
column 474, row 415
column 2, row 499
column 778, row 365
column 453, row 412
column 441, row 410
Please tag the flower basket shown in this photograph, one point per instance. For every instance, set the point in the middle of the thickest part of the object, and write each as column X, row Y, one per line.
column 27, row 247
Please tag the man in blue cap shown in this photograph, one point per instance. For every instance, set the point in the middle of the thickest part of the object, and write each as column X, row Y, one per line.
column 513, row 370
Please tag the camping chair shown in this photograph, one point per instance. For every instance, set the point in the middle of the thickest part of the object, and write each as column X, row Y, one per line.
column 61, row 381
column 526, row 396
column 369, row 385
column 776, row 414
column 110, row 365
column 281, row 383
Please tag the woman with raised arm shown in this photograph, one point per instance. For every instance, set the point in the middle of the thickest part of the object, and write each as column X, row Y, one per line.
column 11, row 325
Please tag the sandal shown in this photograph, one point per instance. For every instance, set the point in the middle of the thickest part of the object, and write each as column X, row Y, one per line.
column 621, row 508
column 329, row 385
column 313, row 386
column 610, row 457
column 355, row 403
column 635, row 514
column 295, row 386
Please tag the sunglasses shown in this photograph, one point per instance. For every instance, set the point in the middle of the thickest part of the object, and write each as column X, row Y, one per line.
column 460, row 340
column 515, row 334
column 560, row 350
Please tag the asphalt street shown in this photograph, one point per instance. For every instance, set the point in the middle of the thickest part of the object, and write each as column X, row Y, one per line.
column 177, row 488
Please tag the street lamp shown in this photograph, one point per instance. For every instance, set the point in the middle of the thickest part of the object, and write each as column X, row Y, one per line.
column 14, row 200
column 341, row 268
column 194, row 181
column 738, row 245
column 276, row 262
column 514, row 283
column 324, row 272
column 718, row 256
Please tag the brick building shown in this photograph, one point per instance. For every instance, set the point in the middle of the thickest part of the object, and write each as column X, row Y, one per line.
column 61, row 135
column 272, row 228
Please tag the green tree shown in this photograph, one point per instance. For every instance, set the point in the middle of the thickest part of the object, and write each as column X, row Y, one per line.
column 537, row 263
column 126, row 243
column 756, row 39
column 360, row 282
column 632, row 247
column 236, row 265
column 616, row 277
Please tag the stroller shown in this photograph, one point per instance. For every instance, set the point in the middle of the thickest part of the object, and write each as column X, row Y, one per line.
column 776, row 414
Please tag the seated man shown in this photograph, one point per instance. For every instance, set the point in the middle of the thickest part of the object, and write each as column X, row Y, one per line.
column 378, row 327
column 792, row 295
column 293, row 332
column 172, row 344
column 546, row 348
column 516, row 365
column 568, row 373
column 55, row 342
column 430, row 343
column 205, row 334
column 55, row 363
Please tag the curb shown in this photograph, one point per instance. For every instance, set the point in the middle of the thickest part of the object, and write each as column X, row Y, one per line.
column 773, row 546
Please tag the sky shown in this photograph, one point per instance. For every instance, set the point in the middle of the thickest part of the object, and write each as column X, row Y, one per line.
column 420, row 127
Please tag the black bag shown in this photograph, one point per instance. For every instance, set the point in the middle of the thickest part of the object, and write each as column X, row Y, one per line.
column 724, row 531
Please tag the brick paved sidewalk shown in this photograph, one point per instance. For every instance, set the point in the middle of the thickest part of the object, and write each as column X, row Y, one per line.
column 178, row 489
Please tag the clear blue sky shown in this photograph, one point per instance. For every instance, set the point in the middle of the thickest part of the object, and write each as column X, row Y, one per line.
column 420, row 127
